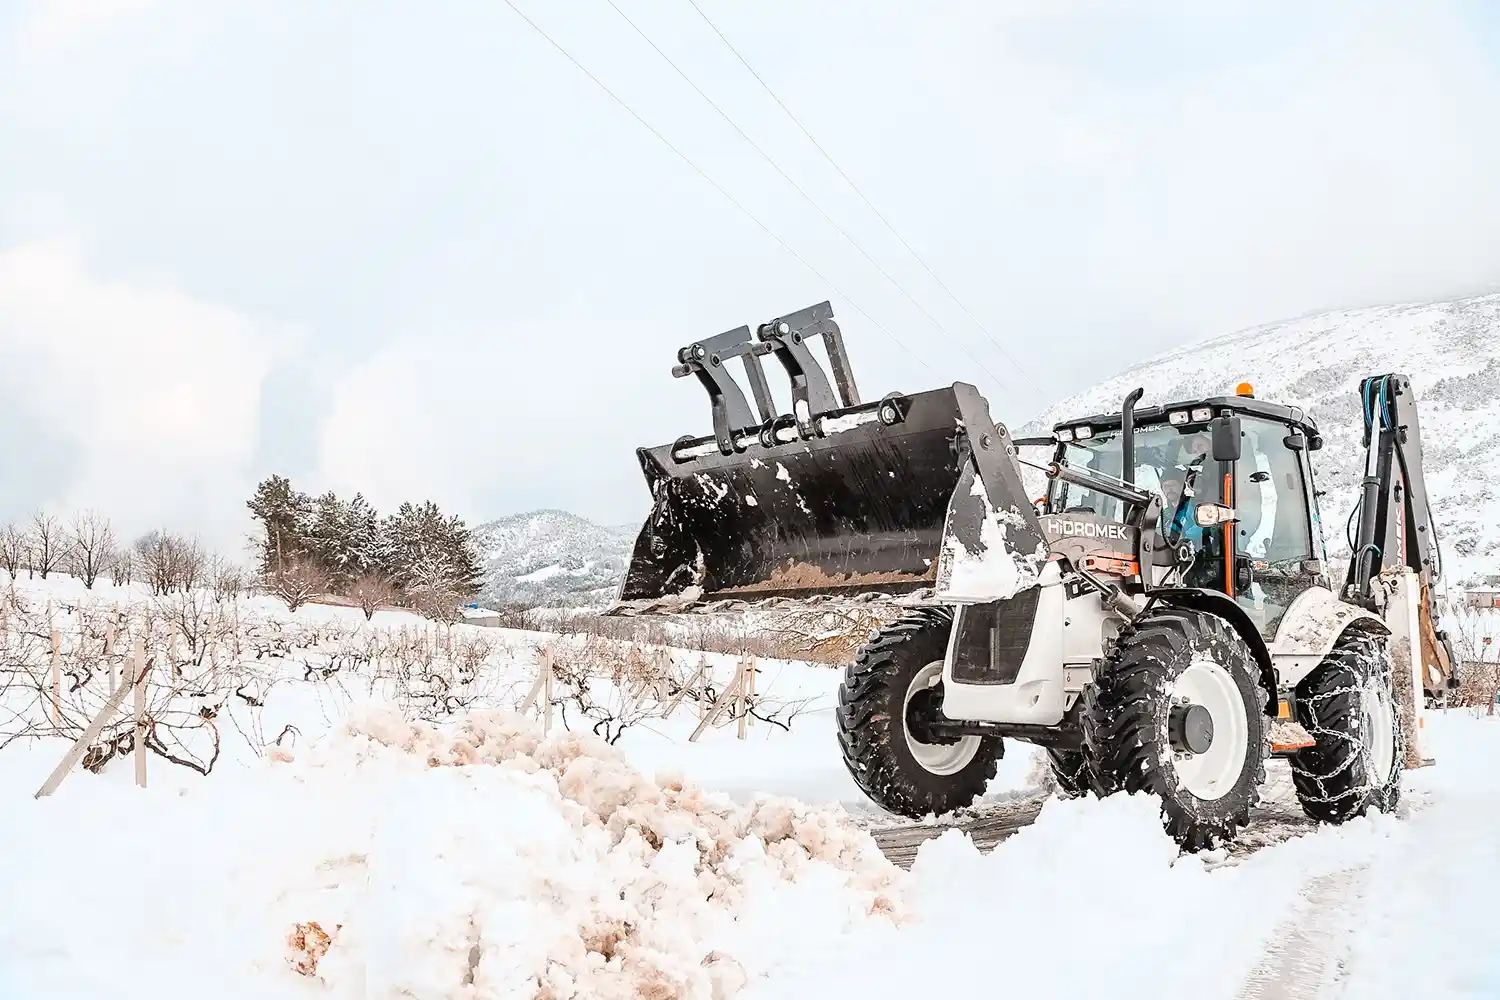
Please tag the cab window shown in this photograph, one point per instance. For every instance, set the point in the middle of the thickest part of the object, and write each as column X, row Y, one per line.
column 1271, row 497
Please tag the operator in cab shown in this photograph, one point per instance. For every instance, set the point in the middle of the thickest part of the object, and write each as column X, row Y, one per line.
column 1181, row 479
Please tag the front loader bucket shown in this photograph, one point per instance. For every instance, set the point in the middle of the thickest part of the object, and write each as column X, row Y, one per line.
column 837, row 497
column 859, row 505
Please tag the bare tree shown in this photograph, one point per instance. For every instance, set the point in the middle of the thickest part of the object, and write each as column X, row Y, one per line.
column 1473, row 639
column 225, row 578
column 371, row 592
column 12, row 549
column 93, row 546
column 169, row 562
column 122, row 568
column 297, row 581
column 50, row 544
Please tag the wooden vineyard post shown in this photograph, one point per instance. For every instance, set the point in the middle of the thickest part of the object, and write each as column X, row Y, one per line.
column 730, row 694
column 664, row 666
column 140, row 667
column 682, row 693
column 109, row 656
column 135, row 678
column 754, row 668
column 57, row 678
column 547, row 694
column 740, row 703
column 541, row 687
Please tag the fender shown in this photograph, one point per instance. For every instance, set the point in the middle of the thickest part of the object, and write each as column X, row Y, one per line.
column 1215, row 603
column 1310, row 627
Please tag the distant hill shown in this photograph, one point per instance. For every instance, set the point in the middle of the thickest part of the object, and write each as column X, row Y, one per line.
column 552, row 557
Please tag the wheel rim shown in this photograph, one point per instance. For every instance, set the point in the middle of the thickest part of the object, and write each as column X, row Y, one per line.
column 1211, row 775
column 937, row 758
column 1379, row 731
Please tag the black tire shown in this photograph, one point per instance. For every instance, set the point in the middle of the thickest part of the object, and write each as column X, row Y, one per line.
column 1070, row 770
column 1128, row 708
column 873, row 722
column 1336, row 779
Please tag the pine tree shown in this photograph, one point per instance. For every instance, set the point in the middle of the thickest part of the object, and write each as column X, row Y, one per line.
column 464, row 570
column 429, row 558
column 328, row 541
column 285, row 514
column 362, row 539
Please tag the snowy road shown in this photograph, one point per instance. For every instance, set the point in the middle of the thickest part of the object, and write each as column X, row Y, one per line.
column 1080, row 899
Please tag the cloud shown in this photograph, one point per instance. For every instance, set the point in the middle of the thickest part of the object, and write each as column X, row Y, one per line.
column 155, row 393
column 464, row 421
column 1096, row 183
column 394, row 422
column 49, row 24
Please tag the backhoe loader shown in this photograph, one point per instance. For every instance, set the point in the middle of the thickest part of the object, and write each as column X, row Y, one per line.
column 1163, row 620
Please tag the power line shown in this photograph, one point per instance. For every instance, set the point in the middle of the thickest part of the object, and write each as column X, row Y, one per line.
column 715, row 184
column 799, row 189
column 856, row 189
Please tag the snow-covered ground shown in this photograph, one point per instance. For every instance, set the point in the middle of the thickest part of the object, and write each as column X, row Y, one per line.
column 469, row 857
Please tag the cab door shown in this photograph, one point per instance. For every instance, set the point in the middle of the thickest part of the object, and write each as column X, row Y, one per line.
column 1274, row 555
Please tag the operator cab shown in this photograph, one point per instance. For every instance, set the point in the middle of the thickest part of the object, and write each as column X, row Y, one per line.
column 1270, row 553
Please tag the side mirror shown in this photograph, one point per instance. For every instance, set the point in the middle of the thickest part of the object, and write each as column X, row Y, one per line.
column 1211, row 515
column 1225, row 432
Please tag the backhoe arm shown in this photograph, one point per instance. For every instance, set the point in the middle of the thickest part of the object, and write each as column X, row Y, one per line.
column 1395, row 531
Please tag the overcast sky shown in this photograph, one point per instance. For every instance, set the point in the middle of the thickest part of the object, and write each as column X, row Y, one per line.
column 410, row 249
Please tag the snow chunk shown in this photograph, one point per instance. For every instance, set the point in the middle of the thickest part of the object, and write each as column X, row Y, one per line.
column 715, row 491
column 849, row 421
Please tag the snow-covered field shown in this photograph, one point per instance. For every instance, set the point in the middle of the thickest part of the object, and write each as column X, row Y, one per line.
column 402, row 845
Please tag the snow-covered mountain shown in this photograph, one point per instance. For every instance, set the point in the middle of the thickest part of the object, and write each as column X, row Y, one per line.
column 551, row 556
column 1451, row 351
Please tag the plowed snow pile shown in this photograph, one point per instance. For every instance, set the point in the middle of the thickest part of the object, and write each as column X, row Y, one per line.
column 401, row 859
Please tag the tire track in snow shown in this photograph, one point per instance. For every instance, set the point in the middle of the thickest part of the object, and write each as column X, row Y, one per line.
column 1277, row 817
column 987, row 826
column 1307, row 955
